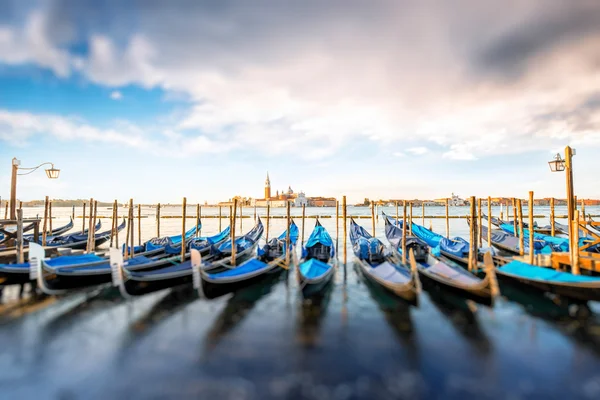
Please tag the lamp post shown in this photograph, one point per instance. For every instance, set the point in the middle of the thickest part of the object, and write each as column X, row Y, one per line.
column 51, row 172
column 558, row 165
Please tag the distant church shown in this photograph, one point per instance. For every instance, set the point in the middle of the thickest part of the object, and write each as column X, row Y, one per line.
column 280, row 199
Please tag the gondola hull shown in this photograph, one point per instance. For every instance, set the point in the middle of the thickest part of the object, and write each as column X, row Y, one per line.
column 406, row 291
column 480, row 294
column 312, row 287
column 579, row 293
column 182, row 275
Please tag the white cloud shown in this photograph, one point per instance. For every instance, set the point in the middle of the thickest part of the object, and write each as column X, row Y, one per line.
column 398, row 154
column 31, row 44
column 265, row 81
column 116, row 95
column 418, row 151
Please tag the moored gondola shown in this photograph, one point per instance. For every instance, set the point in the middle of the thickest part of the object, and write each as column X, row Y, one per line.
column 378, row 266
column 74, row 272
column 218, row 258
column 271, row 259
column 317, row 266
column 442, row 272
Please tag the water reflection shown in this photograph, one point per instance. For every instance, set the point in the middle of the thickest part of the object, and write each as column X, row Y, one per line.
column 462, row 315
column 238, row 307
column 175, row 300
column 573, row 319
column 395, row 310
column 311, row 315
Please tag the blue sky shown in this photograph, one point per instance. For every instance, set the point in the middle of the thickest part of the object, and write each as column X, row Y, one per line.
column 382, row 99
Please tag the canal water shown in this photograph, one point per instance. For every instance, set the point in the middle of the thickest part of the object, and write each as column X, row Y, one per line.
column 266, row 342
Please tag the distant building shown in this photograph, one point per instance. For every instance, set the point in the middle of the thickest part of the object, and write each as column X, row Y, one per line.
column 322, row 201
column 280, row 199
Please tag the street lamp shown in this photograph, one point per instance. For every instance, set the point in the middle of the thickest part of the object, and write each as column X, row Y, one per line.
column 51, row 173
column 558, row 165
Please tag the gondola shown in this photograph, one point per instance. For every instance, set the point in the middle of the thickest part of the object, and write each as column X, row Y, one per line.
column 78, row 241
column 578, row 287
column 136, row 283
column 377, row 265
column 79, row 271
column 55, row 232
column 11, row 274
column 271, row 259
column 317, row 266
column 455, row 249
column 442, row 272
column 169, row 244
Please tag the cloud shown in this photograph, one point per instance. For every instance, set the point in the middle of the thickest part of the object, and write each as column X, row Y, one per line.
column 116, row 95
column 492, row 79
column 30, row 44
column 418, row 151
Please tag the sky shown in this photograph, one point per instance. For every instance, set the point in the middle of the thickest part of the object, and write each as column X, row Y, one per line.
column 157, row 100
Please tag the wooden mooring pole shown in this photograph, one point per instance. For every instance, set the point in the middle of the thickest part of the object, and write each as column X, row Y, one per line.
column 373, row 218
column 116, row 207
column 479, row 221
column 397, row 213
column 268, row 215
column 472, row 230
column 45, row 228
column 337, row 227
column 287, row 235
column 127, row 229
column 197, row 219
column 447, row 222
column 83, row 220
column 93, row 236
column 19, row 243
column 489, row 224
column 531, row 230
column 344, row 217
column 521, row 232
column 220, row 216
column 158, row 220
column 139, row 224
column 241, row 216
column 575, row 243
column 183, row 213
column 303, row 217
column 423, row 213
column 404, row 232
column 410, row 217
column 113, row 227
column 515, row 222
column 552, row 227
column 233, row 246
column 49, row 216
column 131, row 232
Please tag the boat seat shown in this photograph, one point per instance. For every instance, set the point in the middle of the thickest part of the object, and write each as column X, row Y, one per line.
column 319, row 252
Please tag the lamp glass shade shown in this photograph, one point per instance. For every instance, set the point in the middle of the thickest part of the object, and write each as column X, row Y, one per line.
column 52, row 173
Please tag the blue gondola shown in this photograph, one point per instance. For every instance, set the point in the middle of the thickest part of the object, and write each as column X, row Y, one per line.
column 135, row 283
column 317, row 265
column 378, row 266
column 271, row 259
column 72, row 272
column 578, row 287
column 441, row 272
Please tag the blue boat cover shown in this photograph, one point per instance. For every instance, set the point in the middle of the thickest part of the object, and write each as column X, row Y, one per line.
column 528, row 271
column 319, row 235
column 241, row 243
column 556, row 243
column 456, row 246
column 294, row 234
column 314, row 269
column 205, row 242
column 78, row 237
column 252, row 265
column 364, row 246
column 169, row 242
column 63, row 261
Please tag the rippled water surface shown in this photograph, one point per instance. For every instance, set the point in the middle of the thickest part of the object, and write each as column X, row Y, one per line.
column 356, row 342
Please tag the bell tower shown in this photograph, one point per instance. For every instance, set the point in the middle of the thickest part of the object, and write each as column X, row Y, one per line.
column 267, row 188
